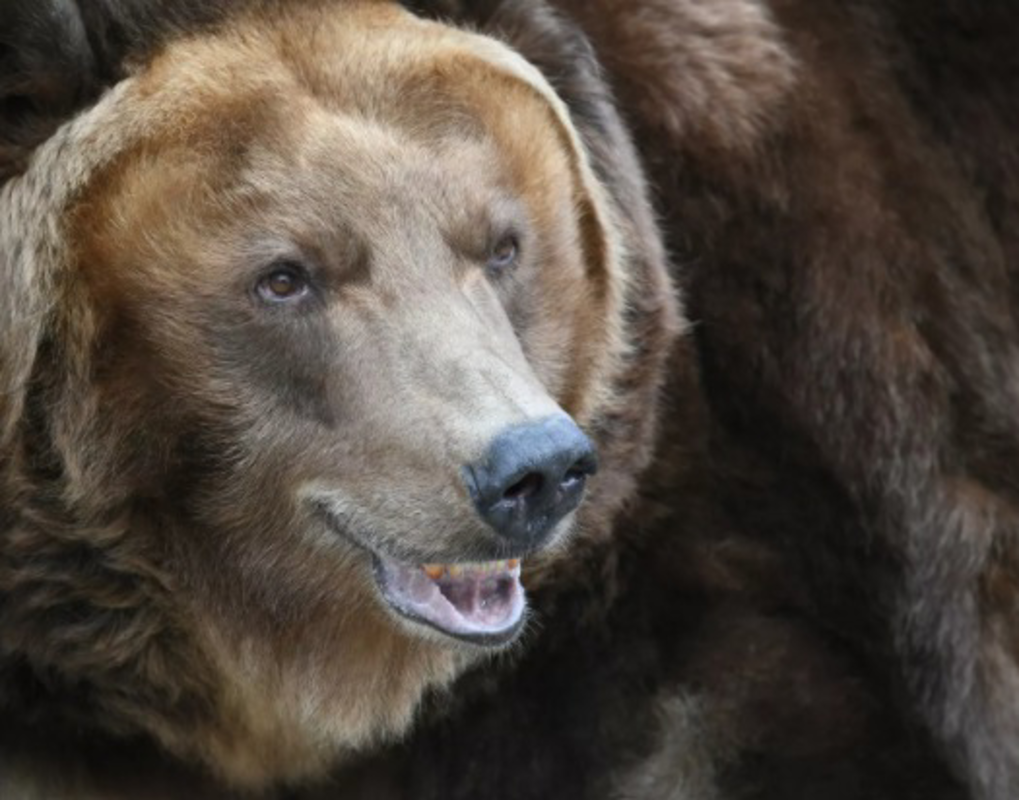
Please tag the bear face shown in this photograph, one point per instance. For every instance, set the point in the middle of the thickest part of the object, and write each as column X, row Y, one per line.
column 295, row 286
column 354, row 310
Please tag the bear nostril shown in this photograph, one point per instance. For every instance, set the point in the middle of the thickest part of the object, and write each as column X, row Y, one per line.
column 572, row 477
column 528, row 486
column 531, row 476
column 581, row 470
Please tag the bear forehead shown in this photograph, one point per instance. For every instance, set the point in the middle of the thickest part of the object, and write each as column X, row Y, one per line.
column 325, row 120
column 369, row 59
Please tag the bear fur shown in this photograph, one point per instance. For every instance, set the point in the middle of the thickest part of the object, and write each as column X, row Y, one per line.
column 808, row 592
column 834, row 184
column 202, row 484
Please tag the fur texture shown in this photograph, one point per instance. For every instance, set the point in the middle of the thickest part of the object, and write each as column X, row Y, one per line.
column 195, row 483
column 844, row 230
column 809, row 592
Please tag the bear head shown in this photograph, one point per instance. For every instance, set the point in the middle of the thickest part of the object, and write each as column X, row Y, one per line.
column 304, row 323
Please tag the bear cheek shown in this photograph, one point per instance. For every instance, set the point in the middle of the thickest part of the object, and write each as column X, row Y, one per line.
column 562, row 337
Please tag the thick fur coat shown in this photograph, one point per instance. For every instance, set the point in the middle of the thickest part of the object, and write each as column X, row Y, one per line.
column 834, row 184
column 810, row 590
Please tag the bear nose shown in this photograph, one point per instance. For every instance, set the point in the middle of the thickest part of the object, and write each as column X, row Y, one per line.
column 531, row 477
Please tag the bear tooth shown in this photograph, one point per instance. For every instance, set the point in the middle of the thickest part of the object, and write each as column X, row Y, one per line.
column 437, row 571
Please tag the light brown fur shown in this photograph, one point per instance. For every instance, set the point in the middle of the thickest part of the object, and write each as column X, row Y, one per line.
column 193, row 453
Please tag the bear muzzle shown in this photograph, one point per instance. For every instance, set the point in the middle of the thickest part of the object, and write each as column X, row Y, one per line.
column 529, row 478
column 532, row 475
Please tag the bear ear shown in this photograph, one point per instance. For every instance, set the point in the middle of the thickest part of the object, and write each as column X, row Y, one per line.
column 601, row 223
column 46, row 73
column 596, row 204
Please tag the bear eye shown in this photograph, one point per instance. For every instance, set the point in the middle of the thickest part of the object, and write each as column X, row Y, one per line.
column 504, row 253
column 283, row 282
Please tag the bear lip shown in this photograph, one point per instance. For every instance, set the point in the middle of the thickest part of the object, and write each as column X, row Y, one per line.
column 480, row 603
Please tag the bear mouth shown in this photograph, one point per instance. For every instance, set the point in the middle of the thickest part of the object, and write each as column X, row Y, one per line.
column 481, row 603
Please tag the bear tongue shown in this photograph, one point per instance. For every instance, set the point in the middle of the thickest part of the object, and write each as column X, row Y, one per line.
column 484, row 601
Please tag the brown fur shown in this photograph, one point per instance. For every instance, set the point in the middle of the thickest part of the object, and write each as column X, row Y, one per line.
column 172, row 450
column 877, row 342
column 809, row 594
column 844, row 230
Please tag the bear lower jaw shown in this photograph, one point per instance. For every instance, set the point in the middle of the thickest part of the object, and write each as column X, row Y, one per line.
column 479, row 603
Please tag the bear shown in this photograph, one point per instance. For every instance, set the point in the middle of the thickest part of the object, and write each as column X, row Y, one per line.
column 804, row 592
column 323, row 337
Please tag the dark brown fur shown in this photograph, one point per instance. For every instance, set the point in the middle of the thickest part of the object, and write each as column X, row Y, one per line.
column 56, row 56
column 834, row 181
